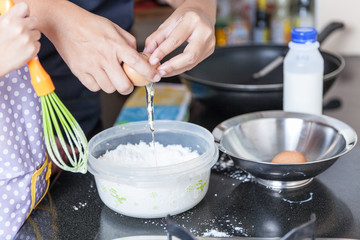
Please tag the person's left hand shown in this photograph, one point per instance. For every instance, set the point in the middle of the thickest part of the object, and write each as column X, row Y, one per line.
column 192, row 21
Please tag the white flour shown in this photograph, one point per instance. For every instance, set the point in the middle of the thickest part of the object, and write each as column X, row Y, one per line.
column 81, row 205
column 162, row 196
column 215, row 233
column 143, row 155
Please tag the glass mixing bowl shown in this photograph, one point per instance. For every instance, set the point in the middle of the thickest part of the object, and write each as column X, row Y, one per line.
column 153, row 192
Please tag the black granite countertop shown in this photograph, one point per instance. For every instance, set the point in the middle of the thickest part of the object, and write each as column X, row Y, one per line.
column 233, row 206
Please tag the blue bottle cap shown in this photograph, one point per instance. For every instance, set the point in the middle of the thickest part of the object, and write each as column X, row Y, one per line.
column 303, row 35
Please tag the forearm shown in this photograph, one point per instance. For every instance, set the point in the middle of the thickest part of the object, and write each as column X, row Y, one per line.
column 54, row 15
column 207, row 6
column 175, row 3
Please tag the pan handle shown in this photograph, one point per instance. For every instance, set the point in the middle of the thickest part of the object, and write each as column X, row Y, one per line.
column 331, row 27
column 328, row 30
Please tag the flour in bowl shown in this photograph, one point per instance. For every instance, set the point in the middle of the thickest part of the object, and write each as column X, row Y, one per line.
column 145, row 155
column 161, row 195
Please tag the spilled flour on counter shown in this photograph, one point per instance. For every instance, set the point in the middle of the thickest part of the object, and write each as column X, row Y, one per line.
column 135, row 155
column 81, row 205
column 226, row 167
column 215, row 233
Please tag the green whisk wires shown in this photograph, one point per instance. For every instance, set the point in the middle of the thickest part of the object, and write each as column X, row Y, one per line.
column 76, row 151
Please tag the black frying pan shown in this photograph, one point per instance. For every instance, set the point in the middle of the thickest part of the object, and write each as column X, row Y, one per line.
column 224, row 81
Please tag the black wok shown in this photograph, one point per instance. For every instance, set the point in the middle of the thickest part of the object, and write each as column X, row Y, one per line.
column 224, row 81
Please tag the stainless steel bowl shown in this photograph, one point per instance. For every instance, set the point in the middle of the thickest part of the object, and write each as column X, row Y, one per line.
column 252, row 140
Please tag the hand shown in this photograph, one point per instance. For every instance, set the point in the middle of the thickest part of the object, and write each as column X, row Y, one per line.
column 19, row 38
column 192, row 21
column 94, row 48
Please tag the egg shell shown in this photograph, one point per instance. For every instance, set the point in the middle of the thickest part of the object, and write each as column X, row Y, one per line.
column 136, row 78
column 289, row 157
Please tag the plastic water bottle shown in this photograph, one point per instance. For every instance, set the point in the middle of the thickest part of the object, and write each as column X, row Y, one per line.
column 303, row 73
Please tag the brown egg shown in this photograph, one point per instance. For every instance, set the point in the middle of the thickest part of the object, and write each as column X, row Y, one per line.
column 135, row 77
column 289, row 157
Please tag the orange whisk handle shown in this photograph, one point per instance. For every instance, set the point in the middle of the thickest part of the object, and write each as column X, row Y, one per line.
column 5, row 6
column 40, row 79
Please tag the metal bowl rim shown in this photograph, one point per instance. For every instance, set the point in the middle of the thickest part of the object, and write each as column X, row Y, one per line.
column 219, row 130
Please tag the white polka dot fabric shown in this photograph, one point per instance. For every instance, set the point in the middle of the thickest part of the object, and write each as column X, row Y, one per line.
column 22, row 150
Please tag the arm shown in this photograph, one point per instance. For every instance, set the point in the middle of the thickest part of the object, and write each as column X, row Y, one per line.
column 175, row 3
column 92, row 46
column 19, row 39
column 193, row 22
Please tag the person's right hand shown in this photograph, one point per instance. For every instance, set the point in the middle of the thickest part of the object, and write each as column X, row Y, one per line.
column 94, row 47
column 19, row 38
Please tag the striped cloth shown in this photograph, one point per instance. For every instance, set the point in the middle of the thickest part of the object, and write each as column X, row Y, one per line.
column 171, row 102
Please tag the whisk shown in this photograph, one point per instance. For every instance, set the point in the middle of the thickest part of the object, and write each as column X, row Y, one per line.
column 54, row 112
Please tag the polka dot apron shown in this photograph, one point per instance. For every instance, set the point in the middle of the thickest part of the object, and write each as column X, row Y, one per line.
column 24, row 168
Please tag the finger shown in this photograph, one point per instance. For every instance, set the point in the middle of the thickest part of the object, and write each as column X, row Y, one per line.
column 20, row 10
column 136, row 61
column 153, row 41
column 177, row 37
column 33, row 49
column 37, row 46
column 120, row 81
column 103, row 80
column 180, row 63
column 33, row 35
column 168, row 68
column 160, row 35
column 89, row 82
column 29, row 52
column 31, row 22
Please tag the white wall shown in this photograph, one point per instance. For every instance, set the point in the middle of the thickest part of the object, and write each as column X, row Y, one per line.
column 345, row 41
